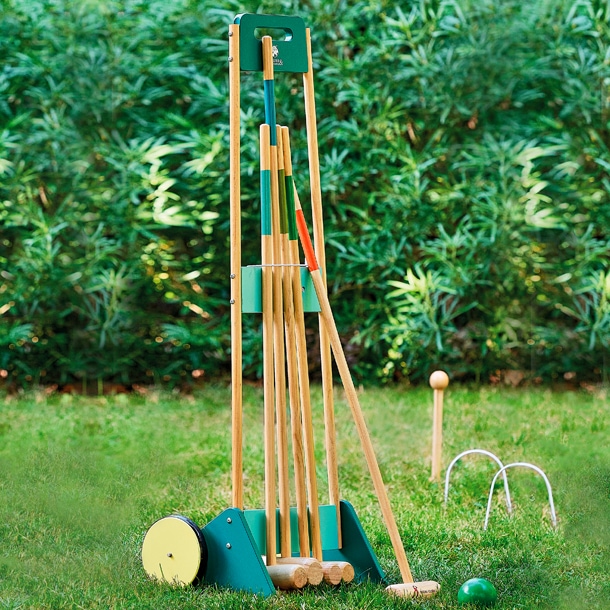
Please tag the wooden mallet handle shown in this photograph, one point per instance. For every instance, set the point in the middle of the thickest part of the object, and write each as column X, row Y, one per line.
column 356, row 409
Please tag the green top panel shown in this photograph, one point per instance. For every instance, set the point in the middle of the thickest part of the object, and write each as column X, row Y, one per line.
column 289, row 42
column 328, row 528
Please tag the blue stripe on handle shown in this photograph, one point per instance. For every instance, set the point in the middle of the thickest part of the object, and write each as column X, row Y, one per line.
column 265, row 202
column 269, row 90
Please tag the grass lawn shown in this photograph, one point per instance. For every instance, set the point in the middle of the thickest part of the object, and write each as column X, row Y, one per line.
column 81, row 480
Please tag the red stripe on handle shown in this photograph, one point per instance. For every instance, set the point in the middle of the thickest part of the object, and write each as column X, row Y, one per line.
column 310, row 255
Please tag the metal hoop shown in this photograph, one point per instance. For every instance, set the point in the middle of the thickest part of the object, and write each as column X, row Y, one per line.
column 509, row 506
column 526, row 465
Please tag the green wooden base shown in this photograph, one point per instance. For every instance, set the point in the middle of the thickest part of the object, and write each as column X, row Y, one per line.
column 235, row 542
column 234, row 560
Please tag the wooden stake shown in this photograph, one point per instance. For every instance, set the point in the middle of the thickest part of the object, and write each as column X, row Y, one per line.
column 235, row 239
column 318, row 235
column 439, row 380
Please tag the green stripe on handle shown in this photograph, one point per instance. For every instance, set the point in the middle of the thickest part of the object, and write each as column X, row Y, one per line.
column 283, row 203
column 265, row 202
column 269, row 94
column 289, row 182
column 290, row 209
column 265, row 156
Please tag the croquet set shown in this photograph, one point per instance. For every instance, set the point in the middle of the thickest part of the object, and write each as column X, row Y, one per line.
column 281, row 545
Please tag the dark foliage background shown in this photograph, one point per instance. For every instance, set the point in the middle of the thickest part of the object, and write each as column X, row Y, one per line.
column 465, row 169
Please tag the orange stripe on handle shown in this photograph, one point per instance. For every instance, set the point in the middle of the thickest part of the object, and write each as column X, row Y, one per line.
column 310, row 255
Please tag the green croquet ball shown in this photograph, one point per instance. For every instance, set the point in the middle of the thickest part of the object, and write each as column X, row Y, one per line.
column 477, row 591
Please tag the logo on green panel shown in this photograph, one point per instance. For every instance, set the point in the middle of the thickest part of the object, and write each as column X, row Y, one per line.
column 276, row 60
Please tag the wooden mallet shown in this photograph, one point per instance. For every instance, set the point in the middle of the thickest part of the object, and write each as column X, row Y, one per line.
column 279, row 358
column 334, row 571
column 268, row 373
column 408, row 588
column 291, row 292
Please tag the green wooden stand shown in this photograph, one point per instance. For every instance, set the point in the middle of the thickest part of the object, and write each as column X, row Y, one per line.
column 236, row 540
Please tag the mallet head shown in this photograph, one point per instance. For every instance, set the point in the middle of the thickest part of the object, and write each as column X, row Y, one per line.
column 426, row 588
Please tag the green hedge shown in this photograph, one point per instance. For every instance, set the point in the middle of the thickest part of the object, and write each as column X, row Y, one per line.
column 465, row 171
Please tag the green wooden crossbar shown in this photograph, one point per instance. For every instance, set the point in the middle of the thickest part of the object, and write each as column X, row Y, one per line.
column 251, row 290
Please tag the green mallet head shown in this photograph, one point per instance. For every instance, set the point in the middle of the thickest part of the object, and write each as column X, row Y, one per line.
column 477, row 591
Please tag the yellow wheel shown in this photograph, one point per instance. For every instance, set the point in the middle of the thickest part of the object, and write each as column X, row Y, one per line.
column 174, row 551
